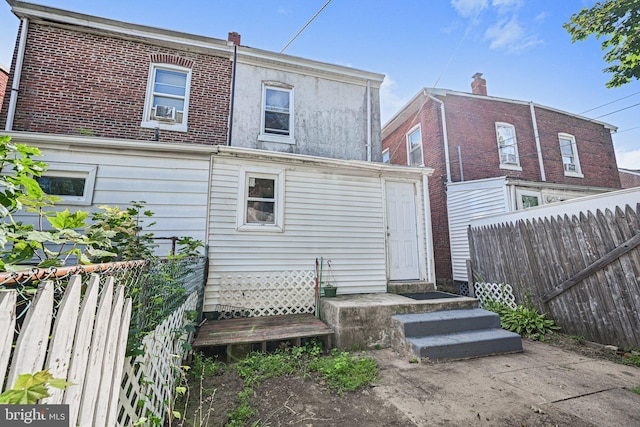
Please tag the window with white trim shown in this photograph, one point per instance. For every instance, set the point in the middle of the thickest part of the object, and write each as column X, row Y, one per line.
column 167, row 100
column 507, row 146
column 414, row 147
column 569, row 153
column 386, row 156
column 277, row 114
column 72, row 183
column 261, row 200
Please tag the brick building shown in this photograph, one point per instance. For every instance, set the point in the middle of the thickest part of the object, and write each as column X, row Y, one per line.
column 4, row 79
column 543, row 155
column 629, row 178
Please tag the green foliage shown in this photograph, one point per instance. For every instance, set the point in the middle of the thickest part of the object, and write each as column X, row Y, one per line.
column 619, row 22
column 344, row 372
column 636, row 390
column 128, row 241
column 244, row 411
column 525, row 321
column 631, row 358
column 29, row 388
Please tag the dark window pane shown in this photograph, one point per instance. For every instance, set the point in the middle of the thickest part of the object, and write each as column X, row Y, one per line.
column 62, row 186
column 260, row 212
column 276, row 123
column 261, row 188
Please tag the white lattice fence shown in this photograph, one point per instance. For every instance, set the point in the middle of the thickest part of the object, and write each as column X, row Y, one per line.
column 148, row 380
column 270, row 293
column 502, row 293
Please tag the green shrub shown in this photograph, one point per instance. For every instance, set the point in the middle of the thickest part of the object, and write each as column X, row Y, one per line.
column 344, row 372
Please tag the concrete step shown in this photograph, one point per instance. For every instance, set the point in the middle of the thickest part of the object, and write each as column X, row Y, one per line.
column 466, row 344
column 410, row 286
column 447, row 322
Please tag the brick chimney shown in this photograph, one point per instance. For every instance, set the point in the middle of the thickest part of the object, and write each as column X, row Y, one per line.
column 479, row 85
column 234, row 38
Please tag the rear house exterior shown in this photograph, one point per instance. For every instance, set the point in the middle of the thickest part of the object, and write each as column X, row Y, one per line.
column 493, row 155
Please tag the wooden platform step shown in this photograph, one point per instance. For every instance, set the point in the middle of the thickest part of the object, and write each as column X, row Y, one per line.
column 252, row 330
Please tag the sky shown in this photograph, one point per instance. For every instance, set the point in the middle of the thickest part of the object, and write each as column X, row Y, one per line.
column 519, row 46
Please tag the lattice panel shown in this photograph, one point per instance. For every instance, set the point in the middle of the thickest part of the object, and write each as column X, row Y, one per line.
column 502, row 293
column 147, row 380
column 271, row 293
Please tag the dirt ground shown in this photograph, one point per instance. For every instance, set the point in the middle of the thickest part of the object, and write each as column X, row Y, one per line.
column 307, row 402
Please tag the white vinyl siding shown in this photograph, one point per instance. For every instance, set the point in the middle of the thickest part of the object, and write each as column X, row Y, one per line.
column 326, row 214
column 173, row 185
column 466, row 201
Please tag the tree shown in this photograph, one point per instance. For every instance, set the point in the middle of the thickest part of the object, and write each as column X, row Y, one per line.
column 619, row 22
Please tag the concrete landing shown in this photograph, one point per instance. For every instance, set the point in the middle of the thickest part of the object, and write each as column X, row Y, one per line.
column 364, row 320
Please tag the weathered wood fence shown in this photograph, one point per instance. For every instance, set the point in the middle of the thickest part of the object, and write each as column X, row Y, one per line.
column 582, row 267
column 87, row 345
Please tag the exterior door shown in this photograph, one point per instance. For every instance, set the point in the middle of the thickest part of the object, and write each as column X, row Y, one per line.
column 402, row 235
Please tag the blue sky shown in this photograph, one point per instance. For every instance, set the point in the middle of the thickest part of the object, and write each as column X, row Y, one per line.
column 519, row 46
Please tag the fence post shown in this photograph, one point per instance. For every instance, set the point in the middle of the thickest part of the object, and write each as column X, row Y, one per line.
column 472, row 288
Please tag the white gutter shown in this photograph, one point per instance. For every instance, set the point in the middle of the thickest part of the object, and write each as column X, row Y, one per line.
column 445, row 138
column 368, row 120
column 431, row 273
column 537, row 137
column 17, row 73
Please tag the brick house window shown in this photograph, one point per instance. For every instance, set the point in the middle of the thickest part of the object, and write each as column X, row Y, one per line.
column 569, row 153
column 386, row 156
column 507, row 146
column 414, row 147
column 167, row 100
column 261, row 200
column 277, row 116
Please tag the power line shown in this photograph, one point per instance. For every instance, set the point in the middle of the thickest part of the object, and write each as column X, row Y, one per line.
column 609, row 103
column 617, row 111
column 305, row 26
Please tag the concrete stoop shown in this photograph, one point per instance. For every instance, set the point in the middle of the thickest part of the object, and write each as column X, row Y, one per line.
column 410, row 287
column 452, row 334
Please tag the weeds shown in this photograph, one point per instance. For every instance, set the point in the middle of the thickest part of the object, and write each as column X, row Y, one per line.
column 636, row 390
column 525, row 321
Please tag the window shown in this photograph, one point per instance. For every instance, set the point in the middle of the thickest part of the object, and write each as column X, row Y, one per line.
column 386, row 157
column 569, row 153
column 414, row 147
column 507, row 146
column 277, row 114
column 72, row 183
column 261, row 201
column 527, row 199
column 167, row 99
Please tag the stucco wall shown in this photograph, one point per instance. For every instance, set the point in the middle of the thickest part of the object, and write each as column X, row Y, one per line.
column 330, row 116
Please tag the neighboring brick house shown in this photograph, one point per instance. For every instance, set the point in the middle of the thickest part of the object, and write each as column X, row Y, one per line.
column 629, row 178
column 4, row 79
column 542, row 154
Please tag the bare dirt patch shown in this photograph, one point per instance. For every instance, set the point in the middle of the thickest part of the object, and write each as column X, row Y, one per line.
column 307, row 401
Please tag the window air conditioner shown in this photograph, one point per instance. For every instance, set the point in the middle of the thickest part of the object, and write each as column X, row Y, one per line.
column 164, row 112
column 508, row 159
column 569, row 167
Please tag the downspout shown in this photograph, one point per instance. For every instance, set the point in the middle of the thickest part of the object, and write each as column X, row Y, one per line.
column 17, row 73
column 233, row 92
column 431, row 274
column 537, row 137
column 445, row 138
column 368, row 120
column 460, row 162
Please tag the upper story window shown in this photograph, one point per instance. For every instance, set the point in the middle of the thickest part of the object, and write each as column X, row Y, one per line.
column 569, row 152
column 414, row 147
column 167, row 101
column 386, row 156
column 277, row 114
column 261, row 200
column 507, row 146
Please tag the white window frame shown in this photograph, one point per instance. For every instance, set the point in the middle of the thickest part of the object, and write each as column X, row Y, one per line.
column 386, row 156
column 272, row 137
column 416, row 128
column 576, row 160
column 278, row 176
column 510, row 166
column 529, row 193
column 148, row 103
column 69, row 170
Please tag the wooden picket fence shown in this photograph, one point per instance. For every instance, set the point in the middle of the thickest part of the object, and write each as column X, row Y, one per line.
column 580, row 266
column 87, row 345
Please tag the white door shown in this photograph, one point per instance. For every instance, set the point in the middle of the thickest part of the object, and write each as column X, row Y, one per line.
column 402, row 235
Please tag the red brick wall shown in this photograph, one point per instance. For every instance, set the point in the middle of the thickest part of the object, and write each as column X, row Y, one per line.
column 629, row 180
column 4, row 79
column 73, row 80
